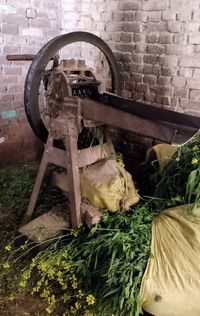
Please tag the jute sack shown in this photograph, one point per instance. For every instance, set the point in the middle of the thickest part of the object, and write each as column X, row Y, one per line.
column 171, row 282
column 107, row 185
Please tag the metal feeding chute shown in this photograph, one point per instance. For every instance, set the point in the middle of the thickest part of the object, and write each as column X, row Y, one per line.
column 72, row 100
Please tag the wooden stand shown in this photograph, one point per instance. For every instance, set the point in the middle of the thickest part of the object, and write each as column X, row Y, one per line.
column 66, row 128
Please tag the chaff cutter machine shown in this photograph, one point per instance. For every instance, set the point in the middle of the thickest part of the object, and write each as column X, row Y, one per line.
column 73, row 100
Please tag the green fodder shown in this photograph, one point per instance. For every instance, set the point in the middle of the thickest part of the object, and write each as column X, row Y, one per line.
column 179, row 181
column 97, row 270
column 16, row 185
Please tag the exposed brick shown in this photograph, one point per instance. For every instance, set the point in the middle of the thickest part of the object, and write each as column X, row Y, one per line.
column 150, row 59
column 33, row 31
column 155, row 49
column 194, row 38
column 196, row 74
column 9, row 28
column 134, row 27
column 14, row 89
column 186, row 72
column 126, row 37
column 191, row 27
column 15, row 19
column 190, row 61
column 156, row 70
column 126, row 57
column 178, row 82
column 195, row 95
column 184, row 5
column 140, row 48
column 165, row 71
column 117, row 16
column 152, row 38
column 168, row 15
column 148, row 69
column 179, row 50
column 141, row 87
column 155, row 5
column 184, row 15
column 11, row 50
column 189, row 104
column 156, row 27
column 180, row 38
column 43, row 23
column 154, row 16
column 196, row 15
column 137, row 58
column 135, row 68
column 193, row 84
column 139, row 37
column 113, row 27
column 12, row 70
column 141, row 16
column 150, row 79
column 129, row 16
column 165, row 38
column 125, row 47
column 169, row 61
column 174, row 26
column 162, row 80
column 129, row 5
column 136, row 77
column 181, row 93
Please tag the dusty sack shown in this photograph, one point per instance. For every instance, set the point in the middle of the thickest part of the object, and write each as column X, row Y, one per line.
column 171, row 282
column 107, row 185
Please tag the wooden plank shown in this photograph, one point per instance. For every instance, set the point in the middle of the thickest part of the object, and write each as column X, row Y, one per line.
column 86, row 156
column 96, row 111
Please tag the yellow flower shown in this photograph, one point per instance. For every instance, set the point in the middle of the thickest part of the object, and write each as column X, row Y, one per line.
column 194, row 161
column 6, row 265
column 22, row 283
column 77, row 305
column 8, row 248
column 49, row 310
column 80, row 294
column 90, row 299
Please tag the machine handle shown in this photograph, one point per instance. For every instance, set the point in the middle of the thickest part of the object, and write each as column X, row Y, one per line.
column 20, row 57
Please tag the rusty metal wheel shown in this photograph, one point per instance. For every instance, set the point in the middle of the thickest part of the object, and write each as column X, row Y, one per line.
column 38, row 65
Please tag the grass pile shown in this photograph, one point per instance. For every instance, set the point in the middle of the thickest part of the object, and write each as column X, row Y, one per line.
column 99, row 271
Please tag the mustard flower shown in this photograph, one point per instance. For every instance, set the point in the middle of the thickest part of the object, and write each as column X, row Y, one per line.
column 90, row 299
column 194, row 161
column 8, row 248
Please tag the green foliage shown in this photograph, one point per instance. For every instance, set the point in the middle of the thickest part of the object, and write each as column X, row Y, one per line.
column 104, row 264
column 179, row 182
column 16, row 186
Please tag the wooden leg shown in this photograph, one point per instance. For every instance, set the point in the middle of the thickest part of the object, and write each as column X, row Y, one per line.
column 109, row 142
column 73, row 178
column 27, row 216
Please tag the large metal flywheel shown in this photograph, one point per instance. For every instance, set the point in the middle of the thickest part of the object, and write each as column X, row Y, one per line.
column 39, row 63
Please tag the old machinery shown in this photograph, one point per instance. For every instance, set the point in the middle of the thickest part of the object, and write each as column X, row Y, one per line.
column 72, row 100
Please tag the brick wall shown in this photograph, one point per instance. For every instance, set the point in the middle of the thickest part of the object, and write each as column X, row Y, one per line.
column 157, row 44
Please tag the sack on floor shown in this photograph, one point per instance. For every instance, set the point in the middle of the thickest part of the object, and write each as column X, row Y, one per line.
column 171, row 283
column 107, row 185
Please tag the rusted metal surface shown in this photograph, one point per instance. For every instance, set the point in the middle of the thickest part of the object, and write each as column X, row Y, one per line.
column 37, row 69
column 20, row 57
